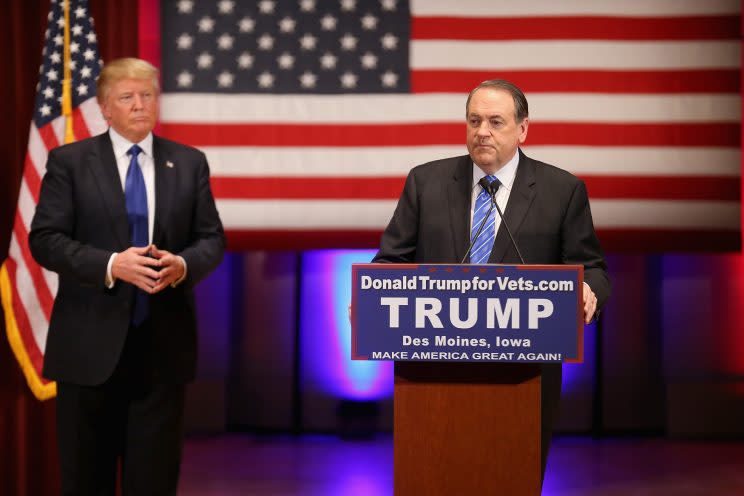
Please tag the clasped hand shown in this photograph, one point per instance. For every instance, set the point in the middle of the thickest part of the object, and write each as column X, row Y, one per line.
column 148, row 268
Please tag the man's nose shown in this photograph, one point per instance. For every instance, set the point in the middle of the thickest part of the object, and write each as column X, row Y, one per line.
column 138, row 101
column 483, row 129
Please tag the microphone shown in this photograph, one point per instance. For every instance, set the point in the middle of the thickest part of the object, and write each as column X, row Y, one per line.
column 492, row 188
column 503, row 221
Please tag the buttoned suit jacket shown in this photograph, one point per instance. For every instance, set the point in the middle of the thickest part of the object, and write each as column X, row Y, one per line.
column 547, row 211
column 81, row 220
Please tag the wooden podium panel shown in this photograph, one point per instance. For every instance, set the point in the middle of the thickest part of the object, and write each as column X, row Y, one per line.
column 467, row 429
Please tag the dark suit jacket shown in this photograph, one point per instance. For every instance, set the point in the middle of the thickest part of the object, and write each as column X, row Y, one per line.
column 547, row 212
column 81, row 220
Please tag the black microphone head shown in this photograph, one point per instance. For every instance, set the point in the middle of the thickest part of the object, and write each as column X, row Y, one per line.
column 491, row 187
column 484, row 183
column 495, row 185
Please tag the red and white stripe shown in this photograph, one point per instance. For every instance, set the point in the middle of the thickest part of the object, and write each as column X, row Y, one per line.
column 639, row 98
column 33, row 288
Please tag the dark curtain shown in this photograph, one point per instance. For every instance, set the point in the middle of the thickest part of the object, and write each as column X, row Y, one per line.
column 28, row 449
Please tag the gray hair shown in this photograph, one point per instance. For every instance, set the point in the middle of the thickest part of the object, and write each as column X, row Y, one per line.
column 521, row 111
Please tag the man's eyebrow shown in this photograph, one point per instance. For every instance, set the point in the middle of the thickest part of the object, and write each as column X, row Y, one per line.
column 490, row 116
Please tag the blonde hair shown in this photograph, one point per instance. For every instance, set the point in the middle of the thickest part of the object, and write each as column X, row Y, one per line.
column 124, row 68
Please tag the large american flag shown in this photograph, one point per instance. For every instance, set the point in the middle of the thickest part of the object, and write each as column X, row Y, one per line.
column 312, row 112
column 28, row 290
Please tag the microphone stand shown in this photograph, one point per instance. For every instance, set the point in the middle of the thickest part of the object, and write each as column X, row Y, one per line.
column 492, row 193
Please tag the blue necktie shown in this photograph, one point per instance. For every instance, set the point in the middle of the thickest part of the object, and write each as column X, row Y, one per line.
column 136, row 198
column 482, row 247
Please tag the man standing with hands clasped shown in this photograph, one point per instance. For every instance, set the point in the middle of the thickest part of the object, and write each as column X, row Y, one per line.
column 128, row 221
column 443, row 204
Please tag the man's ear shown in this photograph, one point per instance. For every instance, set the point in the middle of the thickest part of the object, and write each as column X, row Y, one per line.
column 104, row 109
column 523, row 126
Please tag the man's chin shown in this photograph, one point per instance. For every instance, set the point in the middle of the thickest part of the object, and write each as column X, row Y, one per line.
column 142, row 127
column 483, row 159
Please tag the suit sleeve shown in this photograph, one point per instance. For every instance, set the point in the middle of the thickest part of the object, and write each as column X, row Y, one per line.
column 208, row 238
column 581, row 245
column 51, row 237
column 398, row 242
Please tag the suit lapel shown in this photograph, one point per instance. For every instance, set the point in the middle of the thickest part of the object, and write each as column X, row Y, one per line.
column 520, row 199
column 165, row 171
column 102, row 164
column 459, row 197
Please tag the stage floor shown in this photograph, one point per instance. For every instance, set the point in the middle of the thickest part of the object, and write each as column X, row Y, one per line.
column 241, row 464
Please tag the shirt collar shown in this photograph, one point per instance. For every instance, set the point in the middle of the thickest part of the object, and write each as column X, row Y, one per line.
column 122, row 145
column 506, row 174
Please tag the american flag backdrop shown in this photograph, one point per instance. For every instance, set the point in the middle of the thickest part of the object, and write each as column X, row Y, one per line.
column 312, row 112
column 28, row 290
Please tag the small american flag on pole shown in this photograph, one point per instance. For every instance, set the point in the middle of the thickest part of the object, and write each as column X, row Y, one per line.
column 312, row 112
column 70, row 57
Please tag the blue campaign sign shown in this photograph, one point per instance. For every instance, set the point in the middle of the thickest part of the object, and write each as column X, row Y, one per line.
column 493, row 313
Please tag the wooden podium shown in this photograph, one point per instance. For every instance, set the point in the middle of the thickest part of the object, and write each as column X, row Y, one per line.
column 476, row 349
column 467, row 429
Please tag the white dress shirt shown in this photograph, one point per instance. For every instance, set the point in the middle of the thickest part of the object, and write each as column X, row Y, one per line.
column 506, row 175
column 146, row 162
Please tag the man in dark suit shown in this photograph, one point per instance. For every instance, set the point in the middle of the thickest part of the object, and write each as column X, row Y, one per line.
column 547, row 209
column 128, row 221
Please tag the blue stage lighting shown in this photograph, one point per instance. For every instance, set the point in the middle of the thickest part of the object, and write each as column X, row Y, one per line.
column 325, row 331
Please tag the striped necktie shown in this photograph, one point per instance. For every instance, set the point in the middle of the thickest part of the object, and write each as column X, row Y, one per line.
column 482, row 246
